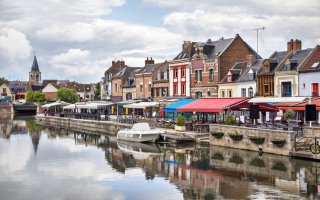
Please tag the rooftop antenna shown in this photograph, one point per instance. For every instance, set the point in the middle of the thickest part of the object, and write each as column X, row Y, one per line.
column 257, row 29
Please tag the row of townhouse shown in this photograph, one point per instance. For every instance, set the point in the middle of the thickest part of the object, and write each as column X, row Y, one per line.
column 17, row 90
column 221, row 68
column 290, row 73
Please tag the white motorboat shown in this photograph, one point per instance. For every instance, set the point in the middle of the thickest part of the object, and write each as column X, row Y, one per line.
column 139, row 151
column 140, row 132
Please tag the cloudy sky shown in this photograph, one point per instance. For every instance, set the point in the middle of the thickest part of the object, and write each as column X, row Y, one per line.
column 78, row 39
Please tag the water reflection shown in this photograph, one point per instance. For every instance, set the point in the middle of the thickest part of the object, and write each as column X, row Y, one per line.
column 32, row 156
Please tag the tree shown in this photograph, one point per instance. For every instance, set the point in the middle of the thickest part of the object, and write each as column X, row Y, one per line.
column 289, row 114
column 67, row 95
column 3, row 80
column 97, row 93
column 35, row 96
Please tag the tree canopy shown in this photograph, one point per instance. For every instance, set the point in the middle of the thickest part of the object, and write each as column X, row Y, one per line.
column 3, row 80
column 35, row 96
column 67, row 95
column 97, row 93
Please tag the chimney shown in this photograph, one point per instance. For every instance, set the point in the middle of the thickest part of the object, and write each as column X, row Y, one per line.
column 250, row 59
column 294, row 45
column 146, row 62
column 113, row 62
column 185, row 45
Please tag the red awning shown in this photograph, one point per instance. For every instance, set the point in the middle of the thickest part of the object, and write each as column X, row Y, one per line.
column 301, row 106
column 211, row 104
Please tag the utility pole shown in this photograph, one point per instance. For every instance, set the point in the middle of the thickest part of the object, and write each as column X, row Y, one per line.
column 257, row 29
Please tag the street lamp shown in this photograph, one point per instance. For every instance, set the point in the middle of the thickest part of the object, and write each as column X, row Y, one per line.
column 257, row 29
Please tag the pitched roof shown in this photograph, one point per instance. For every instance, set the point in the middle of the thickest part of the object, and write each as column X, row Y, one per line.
column 37, row 87
column 149, row 68
column 254, row 67
column 18, row 86
column 125, row 72
column 295, row 59
column 236, row 71
column 35, row 66
column 210, row 48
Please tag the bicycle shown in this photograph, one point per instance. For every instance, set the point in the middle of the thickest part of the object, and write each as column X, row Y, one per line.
column 315, row 147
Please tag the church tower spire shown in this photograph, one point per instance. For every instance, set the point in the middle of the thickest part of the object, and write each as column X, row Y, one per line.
column 35, row 74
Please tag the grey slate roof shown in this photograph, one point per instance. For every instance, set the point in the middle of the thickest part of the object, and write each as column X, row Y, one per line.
column 254, row 67
column 35, row 66
column 296, row 59
column 237, row 70
column 125, row 72
column 149, row 68
column 18, row 86
column 211, row 48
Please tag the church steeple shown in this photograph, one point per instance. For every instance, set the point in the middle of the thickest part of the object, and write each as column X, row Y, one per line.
column 35, row 74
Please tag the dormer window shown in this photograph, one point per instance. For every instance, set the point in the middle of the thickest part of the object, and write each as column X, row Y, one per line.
column 229, row 77
column 251, row 74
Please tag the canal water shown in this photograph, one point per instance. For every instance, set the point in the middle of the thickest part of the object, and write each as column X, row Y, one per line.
column 39, row 162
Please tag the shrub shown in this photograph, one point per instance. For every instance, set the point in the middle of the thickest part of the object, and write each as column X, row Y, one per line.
column 181, row 120
column 230, row 120
column 289, row 114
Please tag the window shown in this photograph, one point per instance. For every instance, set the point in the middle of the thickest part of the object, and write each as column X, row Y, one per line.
column 211, row 75
column 243, row 92
column 183, row 89
column 198, row 75
column 229, row 78
column 167, row 73
column 223, row 93
column 175, row 73
column 198, row 95
column 315, row 65
column 209, row 94
column 183, row 73
column 141, row 88
column 161, row 75
column 116, row 87
column 175, row 89
column 250, row 91
column 4, row 90
column 315, row 89
column 286, row 89
column 229, row 93
column 149, row 87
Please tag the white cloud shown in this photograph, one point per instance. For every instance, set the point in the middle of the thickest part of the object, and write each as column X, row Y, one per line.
column 71, row 57
column 13, row 45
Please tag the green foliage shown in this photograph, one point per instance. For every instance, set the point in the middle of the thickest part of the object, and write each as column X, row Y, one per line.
column 97, row 92
column 33, row 126
column 230, row 120
column 289, row 114
column 181, row 120
column 35, row 96
column 67, row 95
column 3, row 80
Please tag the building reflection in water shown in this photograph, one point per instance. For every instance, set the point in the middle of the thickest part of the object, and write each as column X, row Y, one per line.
column 198, row 172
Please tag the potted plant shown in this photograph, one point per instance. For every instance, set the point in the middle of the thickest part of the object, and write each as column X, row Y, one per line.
column 236, row 136
column 230, row 120
column 279, row 143
column 180, row 123
column 217, row 135
column 288, row 115
column 257, row 140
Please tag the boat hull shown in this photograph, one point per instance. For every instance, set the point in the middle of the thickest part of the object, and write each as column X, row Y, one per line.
column 138, row 136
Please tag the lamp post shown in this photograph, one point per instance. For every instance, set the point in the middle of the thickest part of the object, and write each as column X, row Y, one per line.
column 257, row 29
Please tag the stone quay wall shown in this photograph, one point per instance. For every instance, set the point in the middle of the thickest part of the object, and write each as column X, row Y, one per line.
column 107, row 127
column 270, row 137
column 311, row 131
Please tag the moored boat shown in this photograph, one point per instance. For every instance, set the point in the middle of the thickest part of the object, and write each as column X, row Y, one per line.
column 140, row 132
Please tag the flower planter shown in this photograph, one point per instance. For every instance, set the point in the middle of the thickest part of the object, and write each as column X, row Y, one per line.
column 279, row 166
column 217, row 135
column 257, row 140
column 180, row 128
column 236, row 159
column 258, row 163
column 217, row 156
column 279, row 143
column 236, row 137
